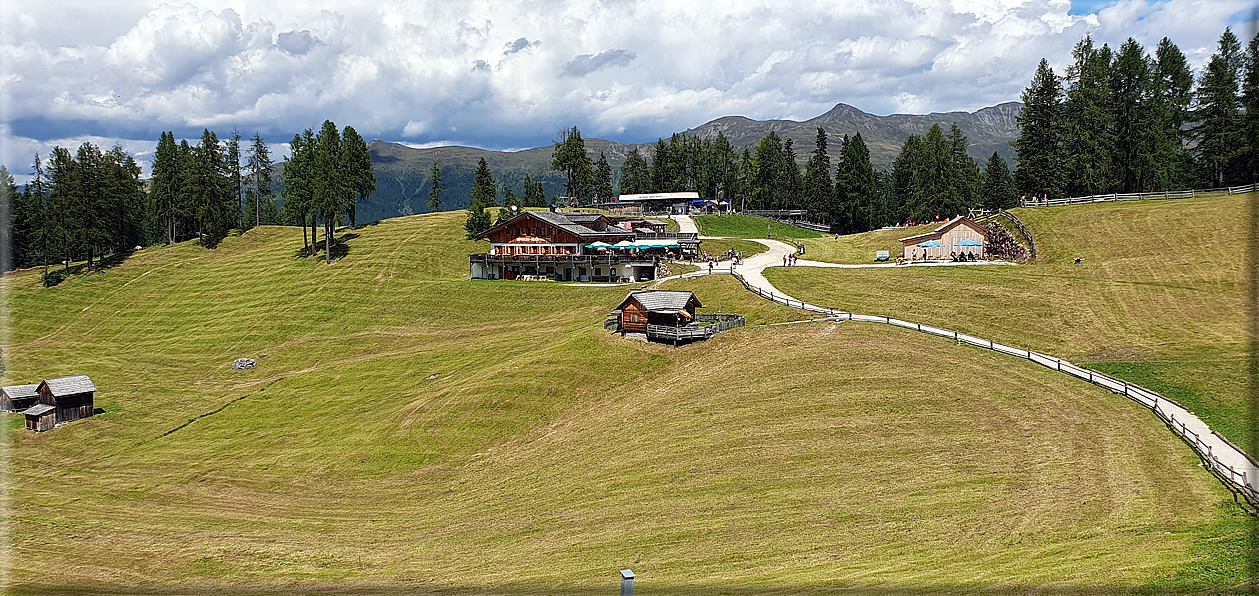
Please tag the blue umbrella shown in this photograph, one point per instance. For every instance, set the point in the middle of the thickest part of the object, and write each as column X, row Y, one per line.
column 930, row 243
column 969, row 242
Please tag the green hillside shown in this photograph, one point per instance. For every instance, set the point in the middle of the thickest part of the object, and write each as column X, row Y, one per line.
column 409, row 430
column 1157, row 300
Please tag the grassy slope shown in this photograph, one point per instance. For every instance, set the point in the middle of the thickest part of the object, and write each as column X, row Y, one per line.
column 1157, row 300
column 748, row 226
column 408, row 430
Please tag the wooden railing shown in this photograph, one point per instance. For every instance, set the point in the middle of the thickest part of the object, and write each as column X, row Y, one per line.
column 1138, row 196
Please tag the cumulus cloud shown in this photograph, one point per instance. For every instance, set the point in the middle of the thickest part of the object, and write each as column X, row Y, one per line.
column 296, row 43
column 585, row 64
column 519, row 45
column 130, row 70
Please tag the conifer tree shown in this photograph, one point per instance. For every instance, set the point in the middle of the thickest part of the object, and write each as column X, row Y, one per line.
column 1175, row 86
column 570, row 157
column 165, row 182
column 483, row 196
column 1220, row 133
column 1088, row 129
column 998, row 191
column 635, row 175
column 818, row 186
column 258, row 171
column 1039, row 146
column 358, row 169
column 435, row 193
column 603, row 179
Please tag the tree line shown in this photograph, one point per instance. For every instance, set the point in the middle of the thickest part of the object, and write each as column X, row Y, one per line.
column 1131, row 121
column 93, row 203
column 932, row 177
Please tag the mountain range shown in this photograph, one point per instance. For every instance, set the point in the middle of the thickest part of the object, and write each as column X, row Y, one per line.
column 402, row 172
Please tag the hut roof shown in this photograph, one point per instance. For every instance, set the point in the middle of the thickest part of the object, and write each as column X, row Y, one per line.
column 20, row 391
column 563, row 222
column 38, row 409
column 69, row 385
column 948, row 224
column 662, row 300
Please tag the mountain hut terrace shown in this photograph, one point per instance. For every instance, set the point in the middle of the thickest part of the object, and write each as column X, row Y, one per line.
column 576, row 247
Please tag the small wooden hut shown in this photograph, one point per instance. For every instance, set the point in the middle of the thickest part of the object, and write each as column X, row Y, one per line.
column 656, row 307
column 16, row 398
column 71, row 396
column 40, row 417
column 960, row 235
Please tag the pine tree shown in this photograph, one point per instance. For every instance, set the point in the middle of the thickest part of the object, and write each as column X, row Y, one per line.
column 435, row 193
column 818, row 186
column 1088, row 125
column 570, row 157
column 358, row 167
column 998, row 191
column 603, row 179
column 332, row 190
column 1219, row 134
column 298, row 183
column 635, row 175
column 794, row 182
column 936, row 191
column 233, row 171
column 1250, row 108
column 1176, row 89
column 259, row 170
column 769, row 184
column 903, row 170
column 484, row 193
column 855, row 187
column 964, row 174
column 164, row 183
column 1039, row 146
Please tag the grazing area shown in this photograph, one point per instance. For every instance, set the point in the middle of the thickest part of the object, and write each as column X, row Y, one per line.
column 408, row 430
column 748, row 226
column 1157, row 298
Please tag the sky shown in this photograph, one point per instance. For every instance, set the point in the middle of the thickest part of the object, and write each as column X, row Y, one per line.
column 512, row 74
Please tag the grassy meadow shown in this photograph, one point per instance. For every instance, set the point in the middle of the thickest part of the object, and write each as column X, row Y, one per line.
column 748, row 226
column 1157, row 300
column 408, row 430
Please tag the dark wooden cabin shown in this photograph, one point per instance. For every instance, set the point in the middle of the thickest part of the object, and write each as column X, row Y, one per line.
column 16, row 398
column 656, row 307
column 41, row 417
column 71, row 396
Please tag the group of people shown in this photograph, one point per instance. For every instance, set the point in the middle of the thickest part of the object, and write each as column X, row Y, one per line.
column 789, row 260
column 956, row 257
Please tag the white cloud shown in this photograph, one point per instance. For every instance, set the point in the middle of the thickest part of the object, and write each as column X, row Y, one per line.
column 510, row 74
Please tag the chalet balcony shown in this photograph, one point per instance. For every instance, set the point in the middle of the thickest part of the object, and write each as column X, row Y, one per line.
column 586, row 267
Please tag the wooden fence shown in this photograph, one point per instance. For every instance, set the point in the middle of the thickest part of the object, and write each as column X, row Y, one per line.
column 793, row 217
column 1137, row 196
column 1241, row 481
column 716, row 324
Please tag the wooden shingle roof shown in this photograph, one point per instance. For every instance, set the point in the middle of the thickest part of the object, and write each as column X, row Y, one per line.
column 21, row 391
column 663, row 300
column 38, row 409
column 69, row 385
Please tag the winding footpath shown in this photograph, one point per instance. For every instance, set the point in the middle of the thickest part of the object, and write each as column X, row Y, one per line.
column 1238, row 470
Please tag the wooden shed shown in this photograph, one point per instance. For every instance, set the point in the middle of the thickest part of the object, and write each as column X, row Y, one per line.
column 656, row 307
column 41, row 417
column 71, row 396
column 960, row 235
column 16, row 398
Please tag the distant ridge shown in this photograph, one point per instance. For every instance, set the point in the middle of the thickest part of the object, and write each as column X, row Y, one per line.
column 402, row 183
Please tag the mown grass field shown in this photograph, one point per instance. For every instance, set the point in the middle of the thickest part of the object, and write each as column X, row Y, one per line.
column 1157, row 300
column 408, row 430
column 748, row 226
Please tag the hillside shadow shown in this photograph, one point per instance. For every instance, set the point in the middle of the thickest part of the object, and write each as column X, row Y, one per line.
column 340, row 248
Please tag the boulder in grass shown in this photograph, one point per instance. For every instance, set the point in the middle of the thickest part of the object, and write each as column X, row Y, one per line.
column 243, row 363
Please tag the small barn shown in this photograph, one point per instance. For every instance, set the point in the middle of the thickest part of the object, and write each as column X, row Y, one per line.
column 40, row 417
column 70, row 396
column 960, row 235
column 656, row 307
column 16, row 398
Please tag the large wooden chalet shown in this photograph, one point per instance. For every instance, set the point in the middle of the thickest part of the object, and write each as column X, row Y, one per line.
column 575, row 247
